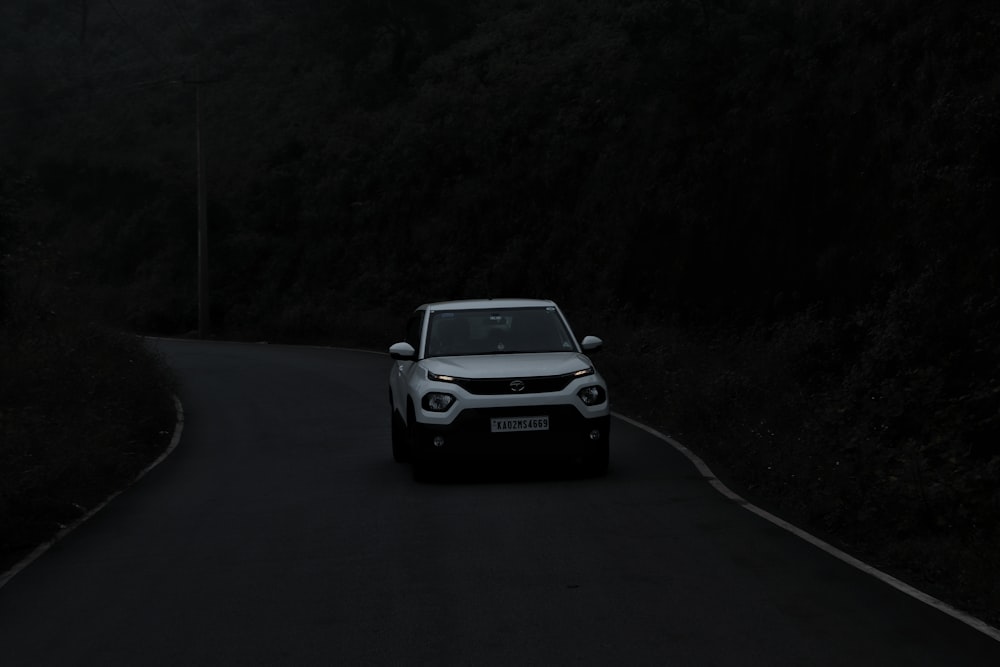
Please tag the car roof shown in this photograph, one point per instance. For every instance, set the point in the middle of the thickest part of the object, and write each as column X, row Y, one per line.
column 479, row 304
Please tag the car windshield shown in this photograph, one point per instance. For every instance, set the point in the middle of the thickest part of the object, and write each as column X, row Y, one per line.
column 497, row 331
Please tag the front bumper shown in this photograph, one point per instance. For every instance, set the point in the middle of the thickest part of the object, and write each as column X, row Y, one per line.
column 570, row 436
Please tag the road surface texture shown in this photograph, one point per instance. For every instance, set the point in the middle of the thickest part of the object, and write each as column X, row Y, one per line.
column 280, row 532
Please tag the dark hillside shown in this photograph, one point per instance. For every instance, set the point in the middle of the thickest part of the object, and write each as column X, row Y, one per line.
column 783, row 215
column 780, row 159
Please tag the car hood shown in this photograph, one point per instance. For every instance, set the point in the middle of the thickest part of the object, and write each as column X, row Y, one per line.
column 508, row 365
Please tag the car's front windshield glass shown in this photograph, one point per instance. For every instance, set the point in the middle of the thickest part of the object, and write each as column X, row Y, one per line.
column 497, row 331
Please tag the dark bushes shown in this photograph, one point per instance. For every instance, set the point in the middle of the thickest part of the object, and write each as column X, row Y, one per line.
column 82, row 409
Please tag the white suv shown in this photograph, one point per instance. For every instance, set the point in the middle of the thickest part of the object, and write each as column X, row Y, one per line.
column 496, row 379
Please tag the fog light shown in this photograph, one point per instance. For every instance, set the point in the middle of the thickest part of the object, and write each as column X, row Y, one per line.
column 438, row 441
column 595, row 435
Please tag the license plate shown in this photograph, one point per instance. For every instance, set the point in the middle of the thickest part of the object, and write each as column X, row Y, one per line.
column 519, row 424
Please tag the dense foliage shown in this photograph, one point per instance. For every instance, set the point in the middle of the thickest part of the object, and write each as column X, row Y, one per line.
column 786, row 209
column 82, row 410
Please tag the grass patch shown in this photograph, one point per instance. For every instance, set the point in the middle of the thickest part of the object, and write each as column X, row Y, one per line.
column 806, row 418
column 82, row 411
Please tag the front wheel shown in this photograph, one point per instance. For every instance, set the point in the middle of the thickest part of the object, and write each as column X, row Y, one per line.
column 597, row 463
column 400, row 441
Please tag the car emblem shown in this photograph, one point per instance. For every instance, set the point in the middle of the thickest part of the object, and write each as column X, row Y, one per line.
column 516, row 385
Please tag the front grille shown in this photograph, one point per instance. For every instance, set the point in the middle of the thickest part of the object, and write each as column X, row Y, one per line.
column 530, row 385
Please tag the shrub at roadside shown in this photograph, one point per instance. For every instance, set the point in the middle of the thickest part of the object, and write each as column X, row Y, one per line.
column 879, row 431
column 82, row 411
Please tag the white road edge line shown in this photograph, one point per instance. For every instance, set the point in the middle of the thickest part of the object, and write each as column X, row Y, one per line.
column 700, row 466
column 706, row 472
column 42, row 548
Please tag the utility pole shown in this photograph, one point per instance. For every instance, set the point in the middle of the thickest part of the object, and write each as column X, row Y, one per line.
column 84, row 15
column 204, row 321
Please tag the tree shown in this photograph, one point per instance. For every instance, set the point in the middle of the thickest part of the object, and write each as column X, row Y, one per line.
column 398, row 33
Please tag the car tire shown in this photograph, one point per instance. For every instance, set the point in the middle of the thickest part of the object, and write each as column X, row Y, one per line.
column 420, row 469
column 596, row 465
column 400, row 442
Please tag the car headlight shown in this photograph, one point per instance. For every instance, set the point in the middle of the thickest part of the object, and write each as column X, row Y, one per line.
column 583, row 372
column 434, row 377
column 592, row 395
column 436, row 401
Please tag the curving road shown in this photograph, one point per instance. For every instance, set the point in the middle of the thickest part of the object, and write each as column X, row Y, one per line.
column 280, row 532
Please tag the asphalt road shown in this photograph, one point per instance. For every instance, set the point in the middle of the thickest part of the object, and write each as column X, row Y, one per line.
column 280, row 532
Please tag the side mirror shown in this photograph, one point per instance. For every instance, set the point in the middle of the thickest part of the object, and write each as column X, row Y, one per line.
column 591, row 343
column 402, row 352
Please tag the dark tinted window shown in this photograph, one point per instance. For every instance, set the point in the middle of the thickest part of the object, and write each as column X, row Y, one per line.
column 497, row 331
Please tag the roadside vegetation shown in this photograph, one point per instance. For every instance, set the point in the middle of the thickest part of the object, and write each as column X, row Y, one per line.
column 781, row 216
column 83, row 409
